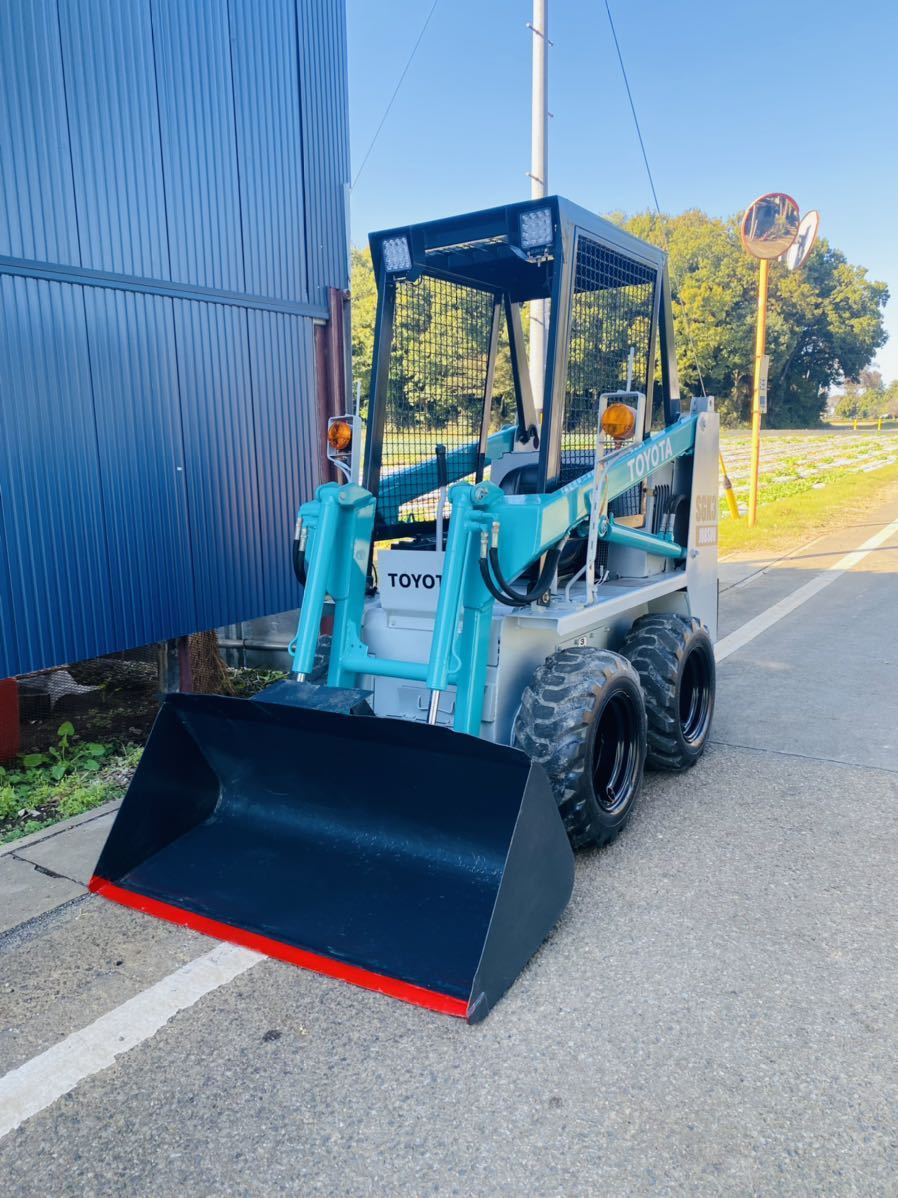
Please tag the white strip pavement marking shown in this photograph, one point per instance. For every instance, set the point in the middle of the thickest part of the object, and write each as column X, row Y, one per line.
column 753, row 628
column 39, row 1082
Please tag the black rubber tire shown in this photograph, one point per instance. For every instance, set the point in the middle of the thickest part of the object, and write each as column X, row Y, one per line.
column 322, row 660
column 583, row 719
column 674, row 658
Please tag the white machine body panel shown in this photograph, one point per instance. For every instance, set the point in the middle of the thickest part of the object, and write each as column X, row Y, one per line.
column 704, row 510
column 409, row 579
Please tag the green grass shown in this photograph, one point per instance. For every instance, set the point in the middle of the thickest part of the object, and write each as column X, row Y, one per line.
column 71, row 777
column 771, row 493
column 792, row 517
column 248, row 682
column 76, row 774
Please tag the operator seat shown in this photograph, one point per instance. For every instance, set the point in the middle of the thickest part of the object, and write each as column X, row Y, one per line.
column 524, row 480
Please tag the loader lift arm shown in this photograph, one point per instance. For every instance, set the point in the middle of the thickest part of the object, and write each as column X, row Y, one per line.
column 340, row 522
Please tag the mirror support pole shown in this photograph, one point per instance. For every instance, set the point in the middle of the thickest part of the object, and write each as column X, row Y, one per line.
column 760, row 350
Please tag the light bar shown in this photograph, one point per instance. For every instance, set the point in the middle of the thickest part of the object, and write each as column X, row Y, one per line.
column 397, row 255
column 536, row 228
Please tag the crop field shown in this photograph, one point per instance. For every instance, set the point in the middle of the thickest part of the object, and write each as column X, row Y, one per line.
column 794, row 461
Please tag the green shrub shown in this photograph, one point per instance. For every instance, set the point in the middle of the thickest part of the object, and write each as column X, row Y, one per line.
column 70, row 777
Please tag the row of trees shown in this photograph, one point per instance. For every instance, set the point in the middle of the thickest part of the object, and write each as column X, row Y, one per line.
column 868, row 398
column 825, row 324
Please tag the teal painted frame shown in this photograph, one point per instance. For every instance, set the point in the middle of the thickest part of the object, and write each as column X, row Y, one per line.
column 423, row 475
column 339, row 524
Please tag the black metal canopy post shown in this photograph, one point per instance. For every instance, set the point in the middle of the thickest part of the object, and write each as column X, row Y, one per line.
column 488, row 388
column 557, row 362
column 380, row 375
column 670, row 377
column 653, row 352
column 523, row 392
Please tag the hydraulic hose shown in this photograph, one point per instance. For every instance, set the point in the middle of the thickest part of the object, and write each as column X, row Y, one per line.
column 500, row 589
column 443, row 484
column 673, row 509
column 298, row 555
column 299, row 564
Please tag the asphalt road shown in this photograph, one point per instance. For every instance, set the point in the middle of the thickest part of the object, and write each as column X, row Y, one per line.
column 717, row 1012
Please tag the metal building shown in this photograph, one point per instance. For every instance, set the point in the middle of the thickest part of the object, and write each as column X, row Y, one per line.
column 173, row 183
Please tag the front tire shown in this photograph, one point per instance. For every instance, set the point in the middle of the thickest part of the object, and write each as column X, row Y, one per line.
column 674, row 658
column 583, row 719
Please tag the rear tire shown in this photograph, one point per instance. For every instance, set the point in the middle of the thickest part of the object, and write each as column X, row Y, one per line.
column 583, row 719
column 674, row 658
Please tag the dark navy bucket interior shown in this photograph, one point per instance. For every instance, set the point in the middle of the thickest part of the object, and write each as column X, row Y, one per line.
column 381, row 843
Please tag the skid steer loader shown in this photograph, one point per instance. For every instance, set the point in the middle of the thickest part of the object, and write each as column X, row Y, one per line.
column 523, row 607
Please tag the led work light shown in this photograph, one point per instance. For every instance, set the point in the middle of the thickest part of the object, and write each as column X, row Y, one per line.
column 536, row 228
column 397, row 255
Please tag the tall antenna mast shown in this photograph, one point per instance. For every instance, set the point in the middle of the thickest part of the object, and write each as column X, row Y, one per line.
column 539, row 178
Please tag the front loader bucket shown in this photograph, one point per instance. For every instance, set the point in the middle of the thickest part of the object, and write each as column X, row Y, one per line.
column 406, row 858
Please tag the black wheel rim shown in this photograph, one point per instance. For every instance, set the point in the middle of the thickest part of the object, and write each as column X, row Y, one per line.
column 615, row 757
column 695, row 696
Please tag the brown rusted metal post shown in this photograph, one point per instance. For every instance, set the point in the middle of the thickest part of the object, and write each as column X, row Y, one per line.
column 331, row 372
column 10, row 726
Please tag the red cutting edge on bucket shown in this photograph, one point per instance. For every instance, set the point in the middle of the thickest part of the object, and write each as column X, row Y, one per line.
column 417, row 995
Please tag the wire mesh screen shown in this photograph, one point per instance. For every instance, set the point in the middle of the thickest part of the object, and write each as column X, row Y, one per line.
column 611, row 314
column 435, row 392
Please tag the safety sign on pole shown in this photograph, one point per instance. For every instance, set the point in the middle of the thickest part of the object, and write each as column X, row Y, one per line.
column 762, row 382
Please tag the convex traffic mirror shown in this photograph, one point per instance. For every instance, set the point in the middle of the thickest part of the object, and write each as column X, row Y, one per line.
column 797, row 253
column 770, row 225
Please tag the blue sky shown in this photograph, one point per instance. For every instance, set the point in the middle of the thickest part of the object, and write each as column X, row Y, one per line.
column 815, row 113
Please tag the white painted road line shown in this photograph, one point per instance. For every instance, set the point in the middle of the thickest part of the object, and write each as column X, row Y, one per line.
column 39, row 1082
column 753, row 628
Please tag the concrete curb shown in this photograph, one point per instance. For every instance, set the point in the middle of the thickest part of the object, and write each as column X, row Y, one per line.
column 87, row 817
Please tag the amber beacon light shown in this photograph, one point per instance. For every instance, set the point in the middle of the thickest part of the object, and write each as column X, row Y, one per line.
column 339, row 436
column 619, row 421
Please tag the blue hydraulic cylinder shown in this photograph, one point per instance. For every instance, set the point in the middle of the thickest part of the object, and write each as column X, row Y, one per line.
column 446, row 621
column 634, row 538
column 338, row 525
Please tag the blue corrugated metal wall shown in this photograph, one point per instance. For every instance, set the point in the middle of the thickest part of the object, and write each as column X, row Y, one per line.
column 173, row 179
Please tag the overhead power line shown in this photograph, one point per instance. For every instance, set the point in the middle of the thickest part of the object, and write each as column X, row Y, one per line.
column 648, row 171
column 392, row 99
column 623, row 71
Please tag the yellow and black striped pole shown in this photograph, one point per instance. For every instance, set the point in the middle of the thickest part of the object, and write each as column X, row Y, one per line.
column 728, row 492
